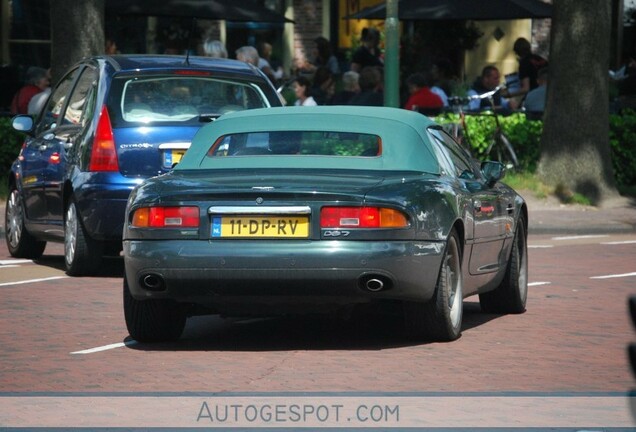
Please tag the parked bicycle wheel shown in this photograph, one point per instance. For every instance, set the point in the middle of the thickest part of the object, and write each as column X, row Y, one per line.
column 501, row 150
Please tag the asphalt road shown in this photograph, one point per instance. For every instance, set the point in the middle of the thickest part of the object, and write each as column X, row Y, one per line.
column 61, row 335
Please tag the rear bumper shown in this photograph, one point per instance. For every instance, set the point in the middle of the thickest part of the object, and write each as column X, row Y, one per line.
column 103, row 208
column 232, row 276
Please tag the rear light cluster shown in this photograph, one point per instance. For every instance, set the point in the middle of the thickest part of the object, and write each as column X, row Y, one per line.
column 104, row 154
column 330, row 217
column 362, row 217
column 166, row 217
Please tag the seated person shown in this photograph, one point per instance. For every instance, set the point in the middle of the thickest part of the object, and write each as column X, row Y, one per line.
column 535, row 99
column 371, row 82
column 421, row 95
column 488, row 81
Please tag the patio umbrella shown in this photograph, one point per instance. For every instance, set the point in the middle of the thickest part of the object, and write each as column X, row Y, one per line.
column 460, row 10
column 229, row 10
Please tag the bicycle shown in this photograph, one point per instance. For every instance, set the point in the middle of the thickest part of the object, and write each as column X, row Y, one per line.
column 499, row 147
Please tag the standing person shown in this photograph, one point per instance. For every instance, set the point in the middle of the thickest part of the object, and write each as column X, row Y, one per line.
column 37, row 80
column 368, row 53
column 529, row 65
column 488, row 81
column 265, row 55
column 302, row 90
column 421, row 95
column 322, row 56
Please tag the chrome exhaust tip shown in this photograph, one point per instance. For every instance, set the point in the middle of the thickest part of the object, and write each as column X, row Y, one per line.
column 375, row 282
column 374, row 285
column 152, row 282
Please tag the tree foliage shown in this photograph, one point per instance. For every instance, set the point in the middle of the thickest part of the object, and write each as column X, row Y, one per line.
column 77, row 31
column 575, row 150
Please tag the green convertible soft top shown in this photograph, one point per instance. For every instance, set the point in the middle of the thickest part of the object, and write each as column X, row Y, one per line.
column 405, row 142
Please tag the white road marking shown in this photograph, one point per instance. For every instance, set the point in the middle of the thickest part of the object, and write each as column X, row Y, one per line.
column 578, row 237
column 32, row 281
column 540, row 246
column 539, row 283
column 15, row 261
column 106, row 347
column 620, row 242
column 614, row 276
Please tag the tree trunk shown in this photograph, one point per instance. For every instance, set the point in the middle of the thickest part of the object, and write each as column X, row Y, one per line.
column 77, row 31
column 575, row 148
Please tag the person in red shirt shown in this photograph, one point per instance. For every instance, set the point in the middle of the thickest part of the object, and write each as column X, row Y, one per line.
column 37, row 80
column 421, row 95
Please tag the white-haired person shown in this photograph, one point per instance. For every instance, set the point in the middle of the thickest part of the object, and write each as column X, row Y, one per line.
column 214, row 48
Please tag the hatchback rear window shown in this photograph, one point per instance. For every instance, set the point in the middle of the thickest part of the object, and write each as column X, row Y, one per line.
column 317, row 143
column 179, row 99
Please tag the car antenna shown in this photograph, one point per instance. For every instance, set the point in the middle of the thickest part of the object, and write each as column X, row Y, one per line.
column 190, row 36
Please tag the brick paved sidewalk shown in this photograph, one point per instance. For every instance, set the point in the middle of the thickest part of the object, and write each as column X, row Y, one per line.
column 548, row 215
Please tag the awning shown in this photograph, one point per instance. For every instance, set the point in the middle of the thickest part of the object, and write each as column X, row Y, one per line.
column 229, row 10
column 460, row 10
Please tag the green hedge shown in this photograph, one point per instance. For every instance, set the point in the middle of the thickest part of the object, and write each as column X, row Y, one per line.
column 10, row 143
column 623, row 145
column 525, row 136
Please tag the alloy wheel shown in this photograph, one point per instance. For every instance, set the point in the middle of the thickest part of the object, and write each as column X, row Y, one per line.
column 14, row 218
column 70, row 233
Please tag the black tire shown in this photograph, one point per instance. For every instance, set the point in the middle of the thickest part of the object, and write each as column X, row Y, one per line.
column 153, row 320
column 20, row 242
column 511, row 295
column 440, row 318
column 82, row 254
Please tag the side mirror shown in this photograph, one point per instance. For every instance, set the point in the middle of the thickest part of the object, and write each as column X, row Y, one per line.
column 22, row 123
column 493, row 172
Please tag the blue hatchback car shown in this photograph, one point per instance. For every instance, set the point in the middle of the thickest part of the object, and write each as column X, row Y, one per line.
column 110, row 123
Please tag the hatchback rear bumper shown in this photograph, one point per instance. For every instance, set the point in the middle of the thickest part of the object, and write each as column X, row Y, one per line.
column 233, row 275
column 103, row 208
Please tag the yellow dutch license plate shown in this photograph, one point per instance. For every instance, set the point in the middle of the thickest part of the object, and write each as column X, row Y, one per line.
column 177, row 155
column 260, row 226
column 172, row 157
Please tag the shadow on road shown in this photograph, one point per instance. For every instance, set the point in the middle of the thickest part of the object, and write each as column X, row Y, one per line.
column 367, row 330
column 110, row 267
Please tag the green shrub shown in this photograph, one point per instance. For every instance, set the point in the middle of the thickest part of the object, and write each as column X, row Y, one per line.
column 10, row 143
column 623, row 147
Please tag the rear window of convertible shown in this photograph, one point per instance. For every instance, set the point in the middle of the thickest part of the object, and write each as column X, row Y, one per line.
column 319, row 143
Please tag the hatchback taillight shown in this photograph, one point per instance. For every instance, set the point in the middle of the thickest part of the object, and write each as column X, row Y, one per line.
column 362, row 217
column 166, row 217
column 104, row 153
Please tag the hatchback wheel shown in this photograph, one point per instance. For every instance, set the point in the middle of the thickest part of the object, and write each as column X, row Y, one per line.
column 20, row 242
column 153, row 320
column 511, row 295
column 441, row 317
column 82, row 255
